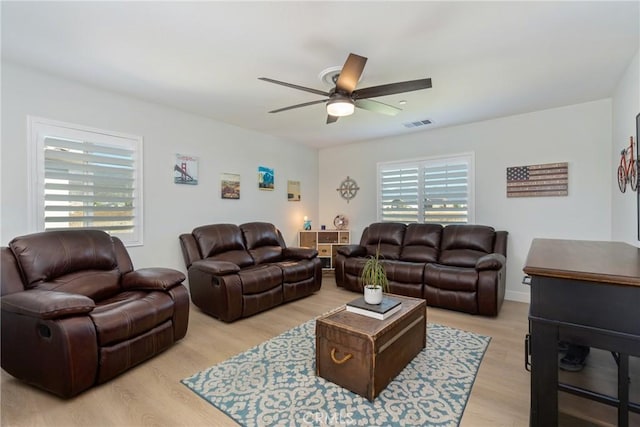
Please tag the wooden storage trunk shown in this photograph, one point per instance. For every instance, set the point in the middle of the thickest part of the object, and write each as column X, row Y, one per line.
column 363, row 354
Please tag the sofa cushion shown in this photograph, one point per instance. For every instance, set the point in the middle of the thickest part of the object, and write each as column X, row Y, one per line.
column 266, row 254
column 222, row 242
column 466, row 302
column 404, row 272
column 241, row 258
column 450, row 278
column 387, row 235
column 421, row 243
column 260, row 278
column 130, row 314
column 460, row 257
column 50, row 254
column 255, row 303
column 263, row 241
column 463, row 245
column 95, row 284
column 299, row 253
column 119, row 357
column 258, row 234
column 296, row 271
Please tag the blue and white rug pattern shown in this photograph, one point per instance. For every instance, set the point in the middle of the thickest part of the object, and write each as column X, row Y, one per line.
column 274, row 384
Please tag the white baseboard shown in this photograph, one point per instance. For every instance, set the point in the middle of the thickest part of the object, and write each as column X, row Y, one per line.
column 517, row 296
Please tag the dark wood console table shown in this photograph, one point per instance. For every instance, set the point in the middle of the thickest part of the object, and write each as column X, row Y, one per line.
column 587, row 293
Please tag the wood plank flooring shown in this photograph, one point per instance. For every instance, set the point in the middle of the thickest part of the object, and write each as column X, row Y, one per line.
column 152, row 395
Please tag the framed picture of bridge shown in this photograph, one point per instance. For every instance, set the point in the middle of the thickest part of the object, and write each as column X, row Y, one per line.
column 185, row 170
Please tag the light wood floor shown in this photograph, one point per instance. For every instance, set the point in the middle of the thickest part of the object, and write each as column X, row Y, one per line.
column 152, row 395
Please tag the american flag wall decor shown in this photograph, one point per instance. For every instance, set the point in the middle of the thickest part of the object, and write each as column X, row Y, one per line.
column 551, row 179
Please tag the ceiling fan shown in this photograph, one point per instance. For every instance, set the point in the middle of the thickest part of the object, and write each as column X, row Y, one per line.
column 344, row 97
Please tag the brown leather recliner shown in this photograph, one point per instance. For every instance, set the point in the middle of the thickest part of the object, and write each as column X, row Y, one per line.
column 238, row 271
column 76, row 314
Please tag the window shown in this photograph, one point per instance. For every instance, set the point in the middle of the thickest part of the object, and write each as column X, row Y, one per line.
column 85, row 178
column 437, row 190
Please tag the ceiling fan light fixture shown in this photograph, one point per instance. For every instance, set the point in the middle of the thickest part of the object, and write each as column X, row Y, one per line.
column 341, row 99
column 340, row 107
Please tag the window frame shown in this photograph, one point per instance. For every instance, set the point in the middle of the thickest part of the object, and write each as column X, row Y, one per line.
column 420, row 164
column 40, row 128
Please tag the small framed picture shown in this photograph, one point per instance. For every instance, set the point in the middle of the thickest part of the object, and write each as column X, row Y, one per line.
column 230, row 186
column 185, row 170
column 293, row 191
column 266, row 178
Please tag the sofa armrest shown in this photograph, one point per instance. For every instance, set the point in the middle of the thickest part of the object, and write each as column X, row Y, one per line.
column 217, row 268
column 352, row 250
column 190, row 251
column 299, row 253
column 152, row 279
column 43, row 304
column 491, row 262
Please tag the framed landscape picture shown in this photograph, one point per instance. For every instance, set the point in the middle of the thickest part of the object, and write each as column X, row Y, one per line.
column 230, row 186
column 266, row 178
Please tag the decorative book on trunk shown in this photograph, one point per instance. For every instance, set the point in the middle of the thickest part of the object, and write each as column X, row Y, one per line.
column 387, row 308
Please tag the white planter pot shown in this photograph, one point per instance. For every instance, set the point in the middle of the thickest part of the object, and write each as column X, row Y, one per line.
column 372, row 295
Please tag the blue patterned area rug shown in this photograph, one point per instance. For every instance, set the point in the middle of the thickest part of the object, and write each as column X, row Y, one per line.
column 274, row 384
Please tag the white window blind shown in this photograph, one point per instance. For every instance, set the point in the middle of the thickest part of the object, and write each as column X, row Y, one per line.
column 399, row 193
column 428, row 190
column 446, row 192
column 88, row 179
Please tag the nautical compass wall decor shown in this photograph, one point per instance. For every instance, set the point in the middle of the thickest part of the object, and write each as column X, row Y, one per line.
column 348, row 189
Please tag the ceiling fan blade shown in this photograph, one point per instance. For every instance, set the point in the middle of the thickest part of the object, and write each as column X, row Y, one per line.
column 392, row 88
column 350, row 73
column 299, row 105
column 378, row 107
column 291, row 85
column 332, row 119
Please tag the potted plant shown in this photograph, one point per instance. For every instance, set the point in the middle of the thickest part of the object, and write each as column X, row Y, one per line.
column 374, row 279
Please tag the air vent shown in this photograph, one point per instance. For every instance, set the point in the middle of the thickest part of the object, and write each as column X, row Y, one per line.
column 418, row 123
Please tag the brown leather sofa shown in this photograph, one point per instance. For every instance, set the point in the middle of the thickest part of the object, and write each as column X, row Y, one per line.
column 459, row 267
column 238, row 271
column 76, row 314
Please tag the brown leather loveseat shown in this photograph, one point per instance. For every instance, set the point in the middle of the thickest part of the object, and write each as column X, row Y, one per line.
column 237, row 271
column 459, row 267
column 76, row 314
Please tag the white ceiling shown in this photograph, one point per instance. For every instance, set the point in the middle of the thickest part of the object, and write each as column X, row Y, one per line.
column 485, row 59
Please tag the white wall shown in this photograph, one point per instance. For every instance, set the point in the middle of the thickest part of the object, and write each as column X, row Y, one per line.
column 169, row 209
column 578, row 134
column 626, row 105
